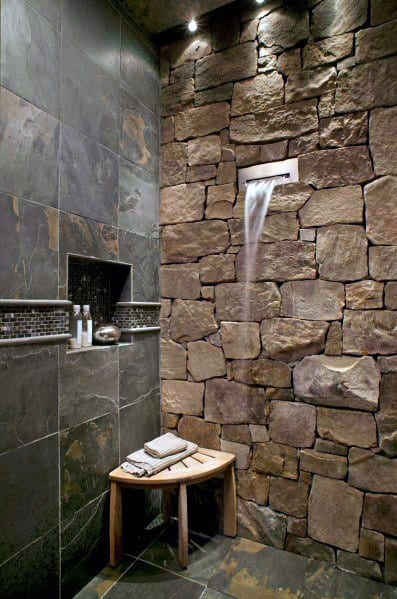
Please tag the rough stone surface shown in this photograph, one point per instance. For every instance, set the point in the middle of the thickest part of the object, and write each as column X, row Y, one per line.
column 372, row 545
column 192, row 320
column 345, row 130
column 333, row 346
column 383, row 140
column 383, row 263
column 372, row 472
column 328, row 50
column 370, row 332
column 363, row 567
column 342, row 382
column 364, row 295
column 289, row 497
column 336, row 168
column 182, row 397
column 279, row 261
column 324, row 446
column 386, row 418
column 380, row 513
column 330, row 465
column 347, row 427
column 333, row 206
column 240, row 340
column 259, row 433
column 200, row 173
column 177, row 96
column 190, row 49
column 290, row 339
column 205, row 361
column 180, row 281
column 275, row 459
column 242, row 453
column 220, row 200
column 173, row 360
column 204, row 150
column 391, row 562
column 381, row 211
column 196, row 430
column 253, row 486
column 285, row 27
column 258, row 94
column 217, row 269
column 376, row 42
column 262, row 372
column 391, row 295
column 341, row 252
column 261, row 524
column 309, row 548
column 182, row 203
column 239, row 433
column 232, row 64
column 309, row 84
column 383, row 10
column 334, row 17
column 173, row 159
column 189, row 241
column 312, row 300
column 231, row 301
column 226, row 172
column 292, row 423
column 202, row 120
column 334, row 513
column 228, row 402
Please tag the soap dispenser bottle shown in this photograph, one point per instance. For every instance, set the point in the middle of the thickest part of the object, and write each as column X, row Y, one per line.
column 76, row 327
column 87, row 327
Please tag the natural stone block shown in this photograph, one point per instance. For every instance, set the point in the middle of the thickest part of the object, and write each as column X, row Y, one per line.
column 304, row 144
column 169, row 420
column 296, row 526
column 192, row 320
column 284, row 27
column 290, row 339
column 364, row 295
column 380, row 513
column 226, row 172
column 363, row 87
column 345, row 130
column 289, row 61
column 359, row 565
column 185, row 71
column 334, row 513
column 333, row 206
column 383, row 140
column 333, row 346
column 258, row 94
column 261, row 524
column 182, row 203
column 196, row 430
column 292, row 423
column 372, row 545
column 383, row 262
column 309, row 84
column 173, row 162
column 341, row 252
column 326, row 105
column 334, row 17
column 386, row 418
column 262, row 372
column 259, row 433
column 220, row 200
column 309, row 548
column 202, row 120
column 216, row 94
column 182, row 397
column 177, row 96
column 217, row 269
column 381, row 211
column 227, row 402
column 167, row 130
column 208, row 293
column 253, row 486
column 347, row 427
column 275, row 459
column 200, row 173
column 247, row 155
column 330, row 465
column 388, row 364
column 190, row 49
column 328, row 50
column 370, row 332
column 307, row 234
column 180, row 281
column 189, row 241
column 372, row 472
column 383, row 10
column 249, row 31
column 173, row 360
column 238, row 433
column 232, row 303
column 342, row 382
column 205, row 361
column 279, row 394
column 290, row 197
column 325, row 446
column 282, row 122
column 289, row 497
column 391, row 562
column 376, row 42
column 240, row 340
column 165, row 309
column 225, row 32
column 232, row 64
column 242, row 453
column 204, row 150
column 336, row 168
column 312, row 300
column 277, row 227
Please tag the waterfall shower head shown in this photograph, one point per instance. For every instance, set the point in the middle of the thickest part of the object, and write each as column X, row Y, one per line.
column 286, row 171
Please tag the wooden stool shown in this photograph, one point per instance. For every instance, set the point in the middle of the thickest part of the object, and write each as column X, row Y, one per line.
column 197, row 468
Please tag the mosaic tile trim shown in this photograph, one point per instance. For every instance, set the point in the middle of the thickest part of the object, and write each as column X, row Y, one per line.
column 130, row 316
column 19, row 321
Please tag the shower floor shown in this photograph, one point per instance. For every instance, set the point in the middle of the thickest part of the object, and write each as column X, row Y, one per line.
column 221, row 568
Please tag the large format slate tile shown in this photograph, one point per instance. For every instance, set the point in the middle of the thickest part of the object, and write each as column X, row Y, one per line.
column 95, row 28
column 29, row 157
column 143, row 253
column 49, row 9
column 139, row 369
column 88, row 453
column 88, row 385
column 139, row 133
column 30, row 506
column 146, row 581
column 139, row 68
column 34, row 572
column 84, row 545
column 90, row 98
column 139, row 423
column 139, row 201
column 102, row 582
column 29, row 391
column 89, row 178
column 30, row 58
column 28, row 249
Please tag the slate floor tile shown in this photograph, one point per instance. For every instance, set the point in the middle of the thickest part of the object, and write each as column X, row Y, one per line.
column 102, row 582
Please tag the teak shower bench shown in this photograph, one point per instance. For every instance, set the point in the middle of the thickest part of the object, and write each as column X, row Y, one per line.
column 197, row 468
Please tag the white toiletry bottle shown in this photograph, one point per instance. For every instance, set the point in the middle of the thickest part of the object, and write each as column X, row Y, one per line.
column 87, row 327
column 76, row 328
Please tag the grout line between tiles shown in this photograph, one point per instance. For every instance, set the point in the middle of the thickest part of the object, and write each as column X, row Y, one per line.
column 118, row 579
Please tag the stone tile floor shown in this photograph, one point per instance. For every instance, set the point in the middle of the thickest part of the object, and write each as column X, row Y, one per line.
column 221, row 568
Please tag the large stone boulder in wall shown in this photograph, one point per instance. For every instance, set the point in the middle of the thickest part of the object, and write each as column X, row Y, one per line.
column 260, row 523
column 344, row 382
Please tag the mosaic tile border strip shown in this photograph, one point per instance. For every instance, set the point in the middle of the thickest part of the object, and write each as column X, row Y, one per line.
column 24, row 321
column 135, row 316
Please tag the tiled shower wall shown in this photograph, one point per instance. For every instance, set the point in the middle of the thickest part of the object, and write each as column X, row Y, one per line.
column 78, row 174
column 303, row 389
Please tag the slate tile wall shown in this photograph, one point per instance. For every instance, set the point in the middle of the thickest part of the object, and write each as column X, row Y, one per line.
column 79, row 134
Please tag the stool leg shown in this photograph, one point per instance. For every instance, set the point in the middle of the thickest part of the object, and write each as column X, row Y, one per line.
column 115, row 526
column 229, row 503
column 167, row 505
column 183, row 552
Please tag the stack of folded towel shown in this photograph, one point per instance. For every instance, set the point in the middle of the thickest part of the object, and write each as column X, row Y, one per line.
column 157, row 455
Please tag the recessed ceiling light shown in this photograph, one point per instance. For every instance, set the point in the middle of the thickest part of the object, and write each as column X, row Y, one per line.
column 192, row 25
column 259, row 1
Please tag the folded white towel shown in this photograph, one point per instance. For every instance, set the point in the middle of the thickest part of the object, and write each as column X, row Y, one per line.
column 165, row 445
column 141, row 463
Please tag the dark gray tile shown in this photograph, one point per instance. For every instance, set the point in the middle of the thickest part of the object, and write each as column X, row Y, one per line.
column 89, row 178
column 29, row 391
column 90, row 98
column 139, row 423
column 139, row 133
column 139, row 200
column 212, row 594
column 49, row 9
column 139, row 67
column 102, row 582
column 88, row 385
column 143, row 253
column 30, row 59
column 30, row 506
column 29, row 157
column 139, row 369
column 34, row 572
column 28, row 249
column 94, row 26
column 84, row 545
column 146, row 581
column 88, row 453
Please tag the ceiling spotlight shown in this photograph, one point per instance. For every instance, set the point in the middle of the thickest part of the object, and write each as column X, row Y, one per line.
column 259, row 1
column 192, row 26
